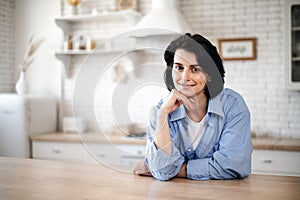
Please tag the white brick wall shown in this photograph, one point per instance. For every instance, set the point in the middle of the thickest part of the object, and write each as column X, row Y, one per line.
column 261, row 81
column 275, row 111
column 7, row 66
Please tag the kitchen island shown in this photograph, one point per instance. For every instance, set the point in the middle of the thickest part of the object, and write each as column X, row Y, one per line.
column 45, row 179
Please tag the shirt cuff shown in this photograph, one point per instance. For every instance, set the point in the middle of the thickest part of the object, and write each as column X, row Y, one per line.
column 198, row 169
column 163, row 166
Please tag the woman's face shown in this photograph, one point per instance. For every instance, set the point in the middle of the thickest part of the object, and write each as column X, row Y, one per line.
column 188, row 76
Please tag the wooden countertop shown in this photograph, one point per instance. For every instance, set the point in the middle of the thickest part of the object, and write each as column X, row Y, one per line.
column 276, row 144
column 44, row 179
column 258, row 143
column 87, row 137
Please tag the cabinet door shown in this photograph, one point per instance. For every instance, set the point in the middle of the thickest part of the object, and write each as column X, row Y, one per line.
column 57, row 151
column 292, row 43
column 131, row 154
column 107, row 154
column 276, row 162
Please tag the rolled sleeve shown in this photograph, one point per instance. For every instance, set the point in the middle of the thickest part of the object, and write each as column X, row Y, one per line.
column 198, row 169
column 161, row 165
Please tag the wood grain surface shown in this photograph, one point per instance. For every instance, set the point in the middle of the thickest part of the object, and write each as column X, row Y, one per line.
column 42, row 179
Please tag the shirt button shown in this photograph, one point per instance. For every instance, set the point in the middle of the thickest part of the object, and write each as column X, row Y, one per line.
column 189, row 149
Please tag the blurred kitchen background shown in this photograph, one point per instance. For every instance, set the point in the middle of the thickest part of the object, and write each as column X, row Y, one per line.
column 275, row 108
column 269, row 82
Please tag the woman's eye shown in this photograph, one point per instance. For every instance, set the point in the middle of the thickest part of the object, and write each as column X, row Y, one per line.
column 196, row 69
column 178, row 67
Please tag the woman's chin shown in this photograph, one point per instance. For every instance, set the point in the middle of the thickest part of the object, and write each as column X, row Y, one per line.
column 187, row 92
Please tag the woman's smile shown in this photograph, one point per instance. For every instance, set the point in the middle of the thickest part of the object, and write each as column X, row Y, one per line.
column 186, row 85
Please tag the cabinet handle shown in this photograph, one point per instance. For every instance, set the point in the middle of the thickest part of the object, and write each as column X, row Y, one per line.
column 266, row 160
column 56, row 151
column 101, row 155
column 139, row 152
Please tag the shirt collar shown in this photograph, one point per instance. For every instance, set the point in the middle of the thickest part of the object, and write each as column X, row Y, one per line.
column 177, row 114
column 214, row 106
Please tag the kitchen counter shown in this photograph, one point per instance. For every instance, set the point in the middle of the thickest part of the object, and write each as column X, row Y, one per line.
column 87, row 137
column 44, row 179
column 258, row 143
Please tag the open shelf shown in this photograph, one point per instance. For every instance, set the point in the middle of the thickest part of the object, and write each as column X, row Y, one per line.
column 126, row 14
column 66, row 23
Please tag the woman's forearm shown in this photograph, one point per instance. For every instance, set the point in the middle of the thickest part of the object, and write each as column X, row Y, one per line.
column 162, row 132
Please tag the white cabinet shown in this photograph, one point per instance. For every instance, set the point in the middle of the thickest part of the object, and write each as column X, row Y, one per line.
column 131, row 154
column 108, row 154
column 276, row 162
column 292, row 44
column 22, row 117
column 273, row 162
column 57, row 151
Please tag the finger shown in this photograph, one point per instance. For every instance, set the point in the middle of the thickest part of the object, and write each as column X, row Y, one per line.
column 183, row 99
column 179, row 98
column 191, row 100
column 146, row 174
column 141, row 172
column 137, row 172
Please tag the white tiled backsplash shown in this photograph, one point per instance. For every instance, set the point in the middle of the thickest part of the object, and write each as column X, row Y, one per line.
column 7, row 65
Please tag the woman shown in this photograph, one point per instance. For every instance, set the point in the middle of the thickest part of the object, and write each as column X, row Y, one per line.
column 200, row 131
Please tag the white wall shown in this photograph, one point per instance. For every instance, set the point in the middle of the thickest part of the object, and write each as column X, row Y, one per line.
column 36, row 17
column 275, row 110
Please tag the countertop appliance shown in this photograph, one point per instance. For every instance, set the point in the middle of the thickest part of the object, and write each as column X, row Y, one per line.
column 22, row 116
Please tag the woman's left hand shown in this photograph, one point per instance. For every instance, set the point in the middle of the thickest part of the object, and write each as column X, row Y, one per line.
column 141, row 169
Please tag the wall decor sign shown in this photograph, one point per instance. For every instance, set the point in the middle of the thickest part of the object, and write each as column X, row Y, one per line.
column 127, row 5
column 237, row 48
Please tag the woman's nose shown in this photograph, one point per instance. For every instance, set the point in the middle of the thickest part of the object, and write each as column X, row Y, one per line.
column 185, row 75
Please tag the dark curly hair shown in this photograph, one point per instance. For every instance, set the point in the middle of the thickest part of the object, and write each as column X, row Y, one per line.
column 207, row 56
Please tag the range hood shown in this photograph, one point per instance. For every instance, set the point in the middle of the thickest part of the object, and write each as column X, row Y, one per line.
column 164, row 18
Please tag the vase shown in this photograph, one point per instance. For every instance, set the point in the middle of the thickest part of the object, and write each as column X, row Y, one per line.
column 21, row 85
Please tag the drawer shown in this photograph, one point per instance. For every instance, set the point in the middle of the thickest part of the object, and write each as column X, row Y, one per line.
column 131, row 154
column 130, row 161
column 101, row 153
column 57, row 151
column 276, row 162
column 130, row 150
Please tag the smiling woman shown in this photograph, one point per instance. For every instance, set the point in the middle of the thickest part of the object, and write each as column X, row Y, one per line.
column 188, row 77
column 200, row 130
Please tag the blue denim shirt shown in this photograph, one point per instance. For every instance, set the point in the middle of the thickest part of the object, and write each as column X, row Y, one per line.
column 224, row 151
